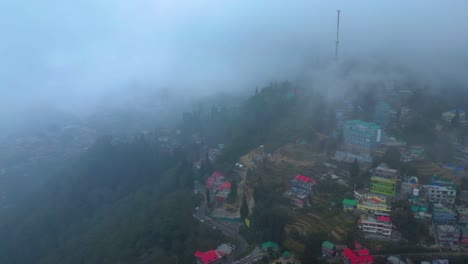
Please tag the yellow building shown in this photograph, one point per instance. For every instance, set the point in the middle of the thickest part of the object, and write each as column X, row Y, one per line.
column 372, row 203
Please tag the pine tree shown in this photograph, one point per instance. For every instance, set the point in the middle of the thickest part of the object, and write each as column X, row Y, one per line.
column 208, row 197
column 233, row 194
column 354, row 169
column 208, row 166
column 244, row 210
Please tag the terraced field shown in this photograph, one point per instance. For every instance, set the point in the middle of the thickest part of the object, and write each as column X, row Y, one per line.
column 334, row 224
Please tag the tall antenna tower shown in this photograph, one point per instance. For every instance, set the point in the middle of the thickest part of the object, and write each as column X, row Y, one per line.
column 337, row 33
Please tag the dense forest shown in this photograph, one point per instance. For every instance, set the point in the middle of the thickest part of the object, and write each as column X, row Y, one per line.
column 119, row 203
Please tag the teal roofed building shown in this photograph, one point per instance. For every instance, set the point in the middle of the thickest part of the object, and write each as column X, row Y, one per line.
column 270, row 245
column 349, row 205
column 361, row 137
column 328, row 249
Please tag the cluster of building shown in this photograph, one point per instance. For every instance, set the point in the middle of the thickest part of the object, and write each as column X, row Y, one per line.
column 218, row 187
column 412, row 153
column 46, row 146
column 364, row 140
column 373, row 205
column 435, row 202
column 360, row 254
column 300, row 189
column 450, row 115
column 167, row 137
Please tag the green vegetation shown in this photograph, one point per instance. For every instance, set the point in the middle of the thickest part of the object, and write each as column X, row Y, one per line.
column 119, row 203
column 233, row 194
column 392, row 158
column 416, row 231
column 244, row 211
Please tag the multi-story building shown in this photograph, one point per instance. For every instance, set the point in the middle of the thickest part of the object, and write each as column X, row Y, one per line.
column 361, row 137
column 371, row 203
column 384, row 181
column 442, row 215
column 383, row 170
column 383, row 186
column 222, row 192
column 449, row 115
column 448, row 235
column 360, row 140
column 378, row 225
column 436, row 193
column 301, row 183
column 301, row 188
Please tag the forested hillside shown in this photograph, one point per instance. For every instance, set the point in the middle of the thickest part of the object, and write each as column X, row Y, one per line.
column 119, row 203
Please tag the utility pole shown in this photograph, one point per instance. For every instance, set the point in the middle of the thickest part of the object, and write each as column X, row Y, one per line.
column 337, row 33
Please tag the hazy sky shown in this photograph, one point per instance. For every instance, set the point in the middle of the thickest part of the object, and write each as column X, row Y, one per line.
column 74, row 51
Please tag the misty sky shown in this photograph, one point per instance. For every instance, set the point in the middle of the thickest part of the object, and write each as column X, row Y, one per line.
column 70, row 52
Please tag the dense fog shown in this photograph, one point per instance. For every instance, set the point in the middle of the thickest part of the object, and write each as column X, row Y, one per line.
column 74, row 54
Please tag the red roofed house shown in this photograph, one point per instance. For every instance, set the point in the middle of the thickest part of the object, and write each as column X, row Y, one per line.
column 301, row 183
column 360, row 256
column 209, row 257
column 222, row 191
column 214, row 180
column 301, row 187
column 379, row 225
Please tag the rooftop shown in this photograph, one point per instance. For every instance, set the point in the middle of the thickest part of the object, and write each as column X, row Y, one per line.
column 367, row 125
column 303, row 178
column 447, row 228
column 384, row 168
column 208, row 256
column 349, row 202
column 382, row 179
column 270, row 244
column 356, row 259
column 381, row 219
column 224, row 185
column 328, row 245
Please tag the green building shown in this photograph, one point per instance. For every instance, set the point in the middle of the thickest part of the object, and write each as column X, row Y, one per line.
column 383, row 186
column 349, row 205
column 384, row 181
